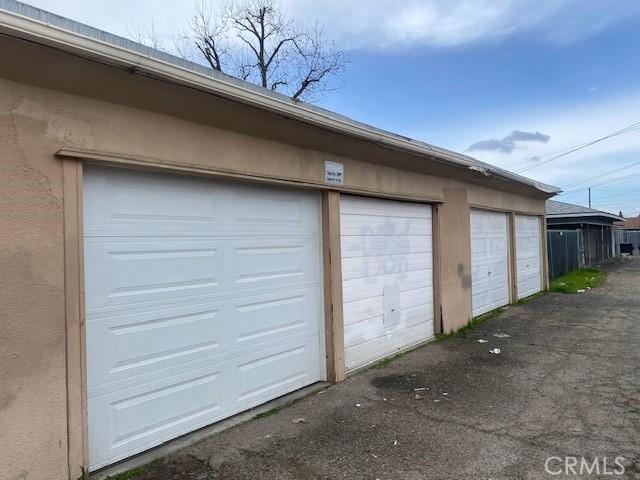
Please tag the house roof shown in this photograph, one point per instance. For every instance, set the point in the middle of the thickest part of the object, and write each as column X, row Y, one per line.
column 24, row 21
column 629, row 223
column 557, row 209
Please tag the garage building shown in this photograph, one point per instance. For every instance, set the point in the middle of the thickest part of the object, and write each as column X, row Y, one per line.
column 180, row 246
column 578, row 237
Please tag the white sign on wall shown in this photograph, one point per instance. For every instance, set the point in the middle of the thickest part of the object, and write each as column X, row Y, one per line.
column 333, row 173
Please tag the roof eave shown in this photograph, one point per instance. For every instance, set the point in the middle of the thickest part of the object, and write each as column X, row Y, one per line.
column 48, row 34
column 584, row 214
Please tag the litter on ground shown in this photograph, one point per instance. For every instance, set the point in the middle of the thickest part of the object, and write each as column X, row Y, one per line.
column 482, row 340
column 298, row 420
column 495, row 351
column 581, row 290
column 501, row 335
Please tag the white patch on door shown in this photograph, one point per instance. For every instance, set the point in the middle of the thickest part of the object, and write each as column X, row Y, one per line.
column 391, row 296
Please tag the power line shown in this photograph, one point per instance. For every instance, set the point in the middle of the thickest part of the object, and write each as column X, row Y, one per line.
column 604, row 183
column 631, row 196
column 607, row 200
column 619, row 202
column 602, row 174
column 617, row 195
column 631, row 128
column 611, row 203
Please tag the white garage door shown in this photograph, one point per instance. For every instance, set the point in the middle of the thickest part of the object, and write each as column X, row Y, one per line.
column 529, row 272
column 489, row 261
column 202, row 300
column 387, row 277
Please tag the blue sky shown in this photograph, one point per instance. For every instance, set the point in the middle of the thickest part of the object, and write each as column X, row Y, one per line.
column 468, row 72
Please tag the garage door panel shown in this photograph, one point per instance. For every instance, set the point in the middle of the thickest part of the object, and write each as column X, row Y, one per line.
column 529, row 271
column 370, row 327
column 275, row 211
column 146, row 414
column 151, row 413
column 478, row 245
column 274, row 262
column 192, row 206
column 193, row 317
column 391, row 209
column 529, row 265
column 128, row 271
column 134, row 344
column 387, row 266
column 360, row 353
column 479, row 274
column 360, row 332
column 383, row 245
column 362, row 288
column 359, row 310
column 165, row 407
column 273, row 372
column 353, row 224
column 187, row 207
column 125, row 271
column 267, row 318
column 363, row 267
column 489, row 261
column 158, row 337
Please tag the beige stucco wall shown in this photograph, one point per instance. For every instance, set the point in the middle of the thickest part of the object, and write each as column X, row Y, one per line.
column 33, row 440
column 35, row 122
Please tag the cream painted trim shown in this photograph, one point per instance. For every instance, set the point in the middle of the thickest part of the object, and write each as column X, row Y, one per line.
column 138, row 162
column 77, row 432
column 504, row 210
column 105, row 52
column 436, row 249
column 544, row 251
column 333, row 302
column 513, row 259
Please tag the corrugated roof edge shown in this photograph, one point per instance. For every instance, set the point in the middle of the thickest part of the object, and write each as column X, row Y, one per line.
column 557, row 209
column 236, row 88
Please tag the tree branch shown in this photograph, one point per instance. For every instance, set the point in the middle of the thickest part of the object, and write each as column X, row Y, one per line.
column 261, row 45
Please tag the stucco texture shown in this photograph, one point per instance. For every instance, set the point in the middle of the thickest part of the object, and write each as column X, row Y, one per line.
column 32, row 314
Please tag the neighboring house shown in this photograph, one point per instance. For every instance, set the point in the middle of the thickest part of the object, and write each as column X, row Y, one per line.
column 179, row 246
column 578, row 236
column 629, row 235
column 632, row 223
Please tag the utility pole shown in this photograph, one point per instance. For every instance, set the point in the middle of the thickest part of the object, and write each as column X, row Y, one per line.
column 589, row 197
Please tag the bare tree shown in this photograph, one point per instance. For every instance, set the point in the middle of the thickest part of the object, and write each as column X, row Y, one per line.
column 145, row 34
column 257, row 42
column 209, row 33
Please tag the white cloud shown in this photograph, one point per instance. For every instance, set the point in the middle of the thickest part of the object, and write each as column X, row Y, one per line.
column 380, row 24
column 569, row 126
column 391, row 24
column 444, row 23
